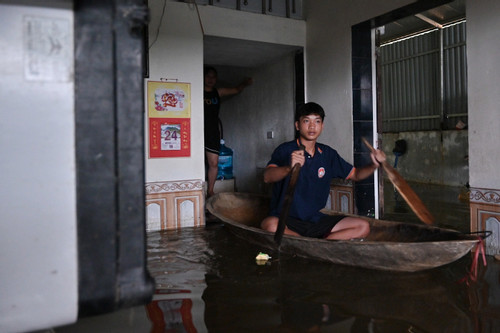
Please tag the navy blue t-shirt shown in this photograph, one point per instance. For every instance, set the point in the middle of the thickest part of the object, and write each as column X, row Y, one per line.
column 313, row 184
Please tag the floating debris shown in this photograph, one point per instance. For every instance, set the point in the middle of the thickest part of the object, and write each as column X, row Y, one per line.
column 262, row 258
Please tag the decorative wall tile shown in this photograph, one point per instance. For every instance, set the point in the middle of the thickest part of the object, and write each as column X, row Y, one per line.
column 155, row 213
column 187, row 211
column 174, row 186
column 173, row 205
column 484, row 195
column 493, row 243
column 341, row 197
column 485, row 216
column 361, row 62
column 362, row 100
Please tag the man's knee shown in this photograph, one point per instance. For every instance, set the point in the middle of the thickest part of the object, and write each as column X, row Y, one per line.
column 270, row 223
column 364, row 229
column 359, row 228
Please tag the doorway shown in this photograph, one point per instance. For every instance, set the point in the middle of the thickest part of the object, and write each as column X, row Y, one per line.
column 418, row 98
column 255, row 121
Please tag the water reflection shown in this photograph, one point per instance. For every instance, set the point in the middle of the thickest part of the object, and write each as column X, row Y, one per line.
column 208, row 281
column 444, row 203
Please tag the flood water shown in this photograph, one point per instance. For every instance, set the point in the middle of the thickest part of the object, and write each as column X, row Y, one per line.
column 448, row 205
column 216, row 276
column 208, row 281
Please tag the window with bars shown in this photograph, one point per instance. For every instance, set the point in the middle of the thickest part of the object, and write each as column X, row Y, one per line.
column 424, row 81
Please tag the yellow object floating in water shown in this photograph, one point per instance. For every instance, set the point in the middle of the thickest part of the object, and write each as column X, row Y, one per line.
column 262, row 258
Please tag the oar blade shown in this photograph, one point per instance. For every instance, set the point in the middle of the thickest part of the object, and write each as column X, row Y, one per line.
column 411, row 198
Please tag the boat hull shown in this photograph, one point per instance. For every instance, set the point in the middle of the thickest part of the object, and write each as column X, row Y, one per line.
column 393, row 246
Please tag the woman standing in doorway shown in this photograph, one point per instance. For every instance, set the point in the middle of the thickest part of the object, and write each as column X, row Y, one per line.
column 212, row 96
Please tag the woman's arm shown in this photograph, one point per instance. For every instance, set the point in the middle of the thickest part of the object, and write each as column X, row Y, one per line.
column 235, row 90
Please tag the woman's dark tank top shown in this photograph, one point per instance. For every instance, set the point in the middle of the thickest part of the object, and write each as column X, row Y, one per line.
column 211, row 108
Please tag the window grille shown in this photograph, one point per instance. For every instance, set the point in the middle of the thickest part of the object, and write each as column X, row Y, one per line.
column 424, row 81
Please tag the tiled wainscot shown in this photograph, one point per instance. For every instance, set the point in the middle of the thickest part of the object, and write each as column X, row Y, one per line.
column 341, row 198
column 174, row 205
column 485, row 215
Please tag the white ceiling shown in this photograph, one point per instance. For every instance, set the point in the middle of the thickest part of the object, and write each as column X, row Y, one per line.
column 445, row 14
column 242, row 53
column 219, row 51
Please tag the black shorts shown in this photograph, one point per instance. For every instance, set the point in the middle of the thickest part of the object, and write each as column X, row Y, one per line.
column 212, row 138
column 320, row 229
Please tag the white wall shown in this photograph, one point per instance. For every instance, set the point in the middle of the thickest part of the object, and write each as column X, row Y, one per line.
column 38, row 244
column 178, row 53
column 328, row 62
column 328, row 54
column 328, row 71
column 229, row 23
column 483, row 48
column 267, row 105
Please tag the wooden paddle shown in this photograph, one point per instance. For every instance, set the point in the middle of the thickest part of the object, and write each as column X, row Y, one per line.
column 405, row 190
column 287, row 202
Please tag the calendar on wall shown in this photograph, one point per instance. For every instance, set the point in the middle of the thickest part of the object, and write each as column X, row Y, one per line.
column 169, row 119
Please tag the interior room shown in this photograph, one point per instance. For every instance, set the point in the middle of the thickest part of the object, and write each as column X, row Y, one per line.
column 104, row 211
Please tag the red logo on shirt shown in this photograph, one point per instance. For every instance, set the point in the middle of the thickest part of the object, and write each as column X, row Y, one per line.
column 321, row 172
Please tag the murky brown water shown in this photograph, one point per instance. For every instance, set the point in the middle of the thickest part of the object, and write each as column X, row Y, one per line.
column 447, row 204
column 208, row 281
column 222, row 289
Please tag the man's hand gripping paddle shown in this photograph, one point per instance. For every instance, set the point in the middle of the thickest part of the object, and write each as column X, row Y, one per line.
column 287, row 202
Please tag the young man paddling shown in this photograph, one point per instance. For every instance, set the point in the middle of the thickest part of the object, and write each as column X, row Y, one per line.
column 319, row 165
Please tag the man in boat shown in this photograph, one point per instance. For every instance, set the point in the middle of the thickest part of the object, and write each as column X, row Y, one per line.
column 319, row 165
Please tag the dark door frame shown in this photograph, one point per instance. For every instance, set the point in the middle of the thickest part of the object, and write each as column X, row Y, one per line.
column 109, row 53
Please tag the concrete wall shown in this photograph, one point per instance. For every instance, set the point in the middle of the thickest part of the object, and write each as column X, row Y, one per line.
column 483, row 47
column 230, row 23
column 328, row 74
column 178, row 53
column 38, row 241
column 328, row 62
column 328, row 52
column 431, row 157
column 267, row 105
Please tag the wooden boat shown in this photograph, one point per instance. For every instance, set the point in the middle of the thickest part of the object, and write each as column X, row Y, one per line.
column 394, row 246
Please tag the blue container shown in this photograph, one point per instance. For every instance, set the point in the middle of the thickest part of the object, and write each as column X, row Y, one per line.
column 225, row 167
